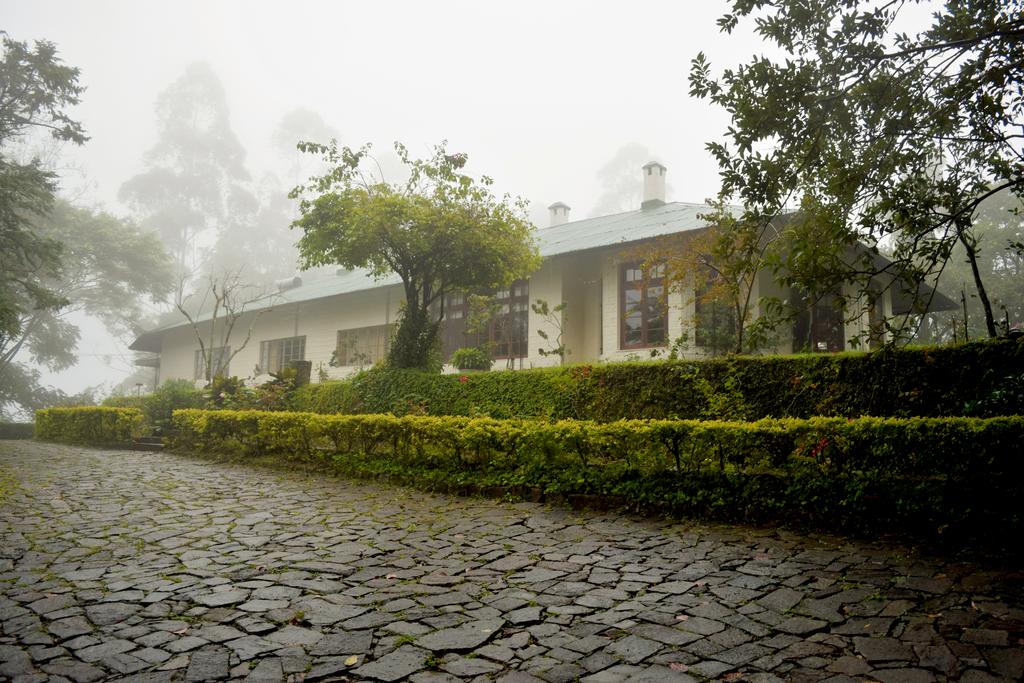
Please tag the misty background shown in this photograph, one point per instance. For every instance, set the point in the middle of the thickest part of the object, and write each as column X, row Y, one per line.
column 555, row 101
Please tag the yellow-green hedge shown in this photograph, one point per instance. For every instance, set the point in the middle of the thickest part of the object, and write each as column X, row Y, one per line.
column 89, row 425
column 917, row 473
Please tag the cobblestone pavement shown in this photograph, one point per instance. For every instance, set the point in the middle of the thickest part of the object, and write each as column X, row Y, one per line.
column 158, row 567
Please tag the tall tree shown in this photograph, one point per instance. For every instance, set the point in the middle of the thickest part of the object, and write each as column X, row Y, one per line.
column 999, row 232
column 254, row 240
column 109, row 267
column 194, row 175
column 440, row 231
column 885, row 137
column 36, row 88
column 294, row 127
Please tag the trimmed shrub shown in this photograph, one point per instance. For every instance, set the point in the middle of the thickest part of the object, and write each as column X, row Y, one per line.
column 920, row 475
column 89, row 425
column 471, row 358
column 941, row 381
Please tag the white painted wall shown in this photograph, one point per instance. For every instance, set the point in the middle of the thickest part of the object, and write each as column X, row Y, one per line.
column 545, row 284
column 588, row 282
column 318, row 320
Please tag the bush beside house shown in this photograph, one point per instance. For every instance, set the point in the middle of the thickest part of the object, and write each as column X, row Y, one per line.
column 939, row 381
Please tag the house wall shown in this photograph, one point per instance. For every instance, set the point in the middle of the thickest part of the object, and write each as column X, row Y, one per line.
column 318, row 320
column 587, row 282
column 582, row 292
column 545, row 284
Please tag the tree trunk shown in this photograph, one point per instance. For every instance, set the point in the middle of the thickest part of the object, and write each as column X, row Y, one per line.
column 972, row 258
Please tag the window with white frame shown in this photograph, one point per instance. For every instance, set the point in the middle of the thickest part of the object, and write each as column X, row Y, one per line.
column 362, row 346
column 277, row 354
column 219, row 358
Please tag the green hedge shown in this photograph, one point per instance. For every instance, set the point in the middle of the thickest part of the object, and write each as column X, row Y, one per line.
column 970, row 379
column 89, row 425
column 921, row 475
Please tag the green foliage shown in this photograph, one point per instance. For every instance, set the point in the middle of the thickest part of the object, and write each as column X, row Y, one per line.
column 553, row 317
column 889, row 382
column 886, row 136
column 37, row 89
column 441, row 231
column 223, row 393
column 226, row 393
column 89, row 426
column 157, row 407
column 920, row 474
column 57, row 259
column 277, row 393
column 998, row 227
column 109, row 268
column 470, row 358
column 1006, row 398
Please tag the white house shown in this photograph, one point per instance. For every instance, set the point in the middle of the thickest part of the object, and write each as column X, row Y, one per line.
column 613, row 310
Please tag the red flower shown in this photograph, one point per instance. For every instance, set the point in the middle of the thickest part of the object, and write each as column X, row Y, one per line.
column 463, row 379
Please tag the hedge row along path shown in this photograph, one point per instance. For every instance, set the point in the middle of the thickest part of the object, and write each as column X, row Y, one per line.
column 165, row 567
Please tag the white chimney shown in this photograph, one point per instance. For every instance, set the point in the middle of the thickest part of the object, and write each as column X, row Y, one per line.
column 654, row 185
column 559, row 214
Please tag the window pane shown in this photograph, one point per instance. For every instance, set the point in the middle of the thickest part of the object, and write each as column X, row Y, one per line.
column 632, row 330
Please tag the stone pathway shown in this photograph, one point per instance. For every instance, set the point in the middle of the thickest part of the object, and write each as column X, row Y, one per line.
column 160, row 567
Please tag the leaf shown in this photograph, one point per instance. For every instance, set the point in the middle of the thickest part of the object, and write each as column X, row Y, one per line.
column 678, row 666
column 351, row 660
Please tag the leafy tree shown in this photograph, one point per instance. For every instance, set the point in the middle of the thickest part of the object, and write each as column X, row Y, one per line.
column 888, row 138
column 108, row 268
column 35, row 89
column 998, row 229
column 439, row 231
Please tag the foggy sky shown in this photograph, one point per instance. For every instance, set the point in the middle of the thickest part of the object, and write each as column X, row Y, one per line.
column 540, row 95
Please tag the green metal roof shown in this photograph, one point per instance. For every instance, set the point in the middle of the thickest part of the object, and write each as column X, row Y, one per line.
column 621, row 228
